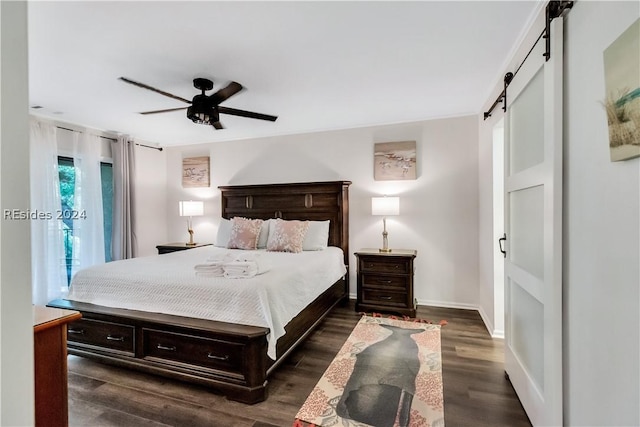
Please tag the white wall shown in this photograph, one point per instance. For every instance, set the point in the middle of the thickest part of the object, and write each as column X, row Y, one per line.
column 150, row 199
column 601, row 234
column 438, row 211
column 16, row 319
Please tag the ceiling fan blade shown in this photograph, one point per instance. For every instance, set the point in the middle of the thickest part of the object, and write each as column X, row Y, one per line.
column 161, row 92
column 249, row 114
column 164, row 111
column 225, row 93
column 217, row 125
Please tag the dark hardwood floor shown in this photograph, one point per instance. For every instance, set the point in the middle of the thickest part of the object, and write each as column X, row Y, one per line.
column 476, row 392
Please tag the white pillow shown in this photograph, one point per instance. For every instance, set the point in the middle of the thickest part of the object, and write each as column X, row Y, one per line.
column 224, row 233
column 264, row 234
column 317, row 237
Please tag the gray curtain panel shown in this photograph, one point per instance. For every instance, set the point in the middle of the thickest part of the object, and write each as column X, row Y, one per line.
column 124, row 243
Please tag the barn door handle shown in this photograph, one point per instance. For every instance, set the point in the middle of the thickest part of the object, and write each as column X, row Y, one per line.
column 500, row 240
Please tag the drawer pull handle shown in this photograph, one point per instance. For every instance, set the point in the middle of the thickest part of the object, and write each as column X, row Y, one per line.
column 163, row 347
column 214, row 357
column 396, row 266
column 385, row 298
column 384, row 281
column 112, row 338
column 369, row 265
column 76, row 331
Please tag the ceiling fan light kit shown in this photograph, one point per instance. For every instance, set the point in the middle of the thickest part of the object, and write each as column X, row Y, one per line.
column 204, row 108
column 203, row 116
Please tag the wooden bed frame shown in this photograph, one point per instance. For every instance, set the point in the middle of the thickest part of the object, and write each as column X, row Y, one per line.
column 227, row 357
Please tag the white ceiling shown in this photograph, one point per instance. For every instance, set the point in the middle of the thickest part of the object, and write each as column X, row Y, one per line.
column 316, row 65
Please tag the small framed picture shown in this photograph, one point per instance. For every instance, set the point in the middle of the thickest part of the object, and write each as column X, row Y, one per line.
column 195, row 172
column 394, row 161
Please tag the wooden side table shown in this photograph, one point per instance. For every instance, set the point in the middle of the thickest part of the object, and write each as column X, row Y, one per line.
column 385, row 281
column 174, row 247
column 50, row 364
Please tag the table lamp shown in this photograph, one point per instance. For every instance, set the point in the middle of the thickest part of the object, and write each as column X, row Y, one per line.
column 385, row 206
column 190, row 209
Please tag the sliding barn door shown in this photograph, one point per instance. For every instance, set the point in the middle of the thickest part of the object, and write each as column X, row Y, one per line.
column 533, row 216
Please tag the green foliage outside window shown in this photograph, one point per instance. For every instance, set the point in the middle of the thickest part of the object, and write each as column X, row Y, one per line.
column 67, row 177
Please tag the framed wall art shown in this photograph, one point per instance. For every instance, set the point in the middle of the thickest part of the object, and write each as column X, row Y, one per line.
column 622, row 102
column 195, row 172
column 394, row 161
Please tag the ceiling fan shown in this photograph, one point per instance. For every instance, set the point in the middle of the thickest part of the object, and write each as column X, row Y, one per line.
column 205, row 109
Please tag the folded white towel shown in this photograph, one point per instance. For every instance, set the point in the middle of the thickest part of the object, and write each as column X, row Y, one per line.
column 240, row 269
column 233, row 266
column 246, row 265
column 213, row 266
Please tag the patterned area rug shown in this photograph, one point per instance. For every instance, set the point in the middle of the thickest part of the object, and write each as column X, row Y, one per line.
column 388, row 373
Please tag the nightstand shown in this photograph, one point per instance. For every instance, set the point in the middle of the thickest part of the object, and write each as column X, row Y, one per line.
column 174, row 247
column 385, row 281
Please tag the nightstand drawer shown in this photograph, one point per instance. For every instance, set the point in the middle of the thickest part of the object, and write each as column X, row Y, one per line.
column 385, row 281
column 112, row 336
column 387, row 298
column 384, row 265
column 205, row 352
column 380, row 280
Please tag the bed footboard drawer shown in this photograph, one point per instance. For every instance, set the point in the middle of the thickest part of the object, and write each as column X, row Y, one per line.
column 107, row 335
column 193, row 350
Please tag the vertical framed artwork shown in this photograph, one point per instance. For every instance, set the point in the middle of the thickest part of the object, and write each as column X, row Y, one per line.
column 394, row 161
column 195, row 172
column 622, row 102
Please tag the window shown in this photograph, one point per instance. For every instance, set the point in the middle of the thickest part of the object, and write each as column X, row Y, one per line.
column 67, row 177
column 106, row 176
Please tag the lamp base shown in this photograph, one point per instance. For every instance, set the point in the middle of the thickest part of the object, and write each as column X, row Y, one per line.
column 385, row 240
column 191, row 242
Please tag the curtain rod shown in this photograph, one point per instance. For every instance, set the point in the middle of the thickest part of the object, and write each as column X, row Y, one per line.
column 112, row 139
column 554, row 10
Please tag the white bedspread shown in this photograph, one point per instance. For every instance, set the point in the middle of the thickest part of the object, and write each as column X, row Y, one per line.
column 168, row 284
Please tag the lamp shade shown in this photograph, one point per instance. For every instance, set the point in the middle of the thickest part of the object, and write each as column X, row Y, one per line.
column 191, row 208
column 385, row 206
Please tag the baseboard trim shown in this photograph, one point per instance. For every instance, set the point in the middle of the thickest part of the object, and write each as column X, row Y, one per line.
column 498, row 334
column 495, row 333
column 444, row 304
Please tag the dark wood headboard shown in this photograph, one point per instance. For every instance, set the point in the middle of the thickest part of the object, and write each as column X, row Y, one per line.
column 311, row 201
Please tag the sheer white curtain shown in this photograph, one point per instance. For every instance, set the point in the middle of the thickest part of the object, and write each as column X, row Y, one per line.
column 88, row 223
column 48, row 268
column 123, row 241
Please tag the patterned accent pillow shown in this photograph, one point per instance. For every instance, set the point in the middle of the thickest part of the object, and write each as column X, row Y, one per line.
column 286, row 236
column 244, row 233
